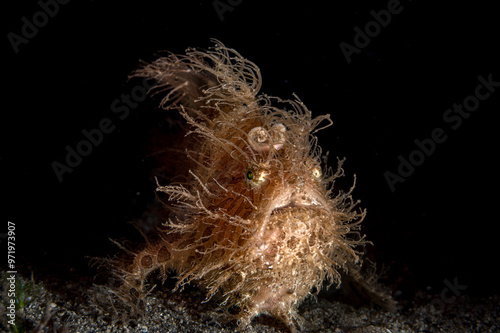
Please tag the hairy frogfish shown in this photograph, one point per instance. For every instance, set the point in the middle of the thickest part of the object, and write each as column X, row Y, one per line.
column 253, row 216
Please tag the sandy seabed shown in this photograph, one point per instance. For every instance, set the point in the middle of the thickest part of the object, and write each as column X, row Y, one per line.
column 60, row 306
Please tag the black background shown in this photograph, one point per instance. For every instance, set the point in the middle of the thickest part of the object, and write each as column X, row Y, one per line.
column 441, row 223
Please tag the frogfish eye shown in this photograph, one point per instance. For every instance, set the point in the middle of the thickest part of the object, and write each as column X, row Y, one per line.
column 316, row 172
column 255, row 178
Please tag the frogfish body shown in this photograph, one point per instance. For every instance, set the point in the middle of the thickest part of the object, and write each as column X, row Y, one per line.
column 252, row 217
